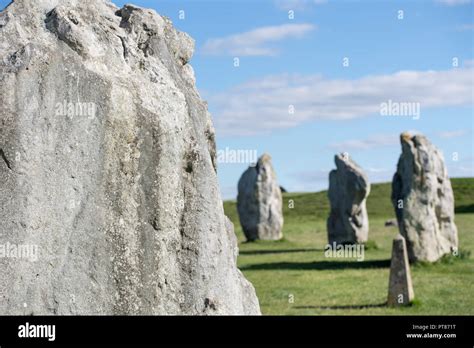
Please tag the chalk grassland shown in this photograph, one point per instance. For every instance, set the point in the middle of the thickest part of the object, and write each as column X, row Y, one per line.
column 293, row 277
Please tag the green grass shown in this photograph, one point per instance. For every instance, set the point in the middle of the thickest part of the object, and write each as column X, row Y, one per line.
column 293, row 277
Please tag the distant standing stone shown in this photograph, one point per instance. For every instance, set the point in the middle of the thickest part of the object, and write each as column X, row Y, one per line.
column 259, row 202
column 400, row 288
column 349, row 187
column 423, row 200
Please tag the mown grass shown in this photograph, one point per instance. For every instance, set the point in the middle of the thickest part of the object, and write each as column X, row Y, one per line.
column 293, row 276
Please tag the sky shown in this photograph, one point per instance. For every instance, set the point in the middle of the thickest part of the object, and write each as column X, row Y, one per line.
column 314, row 76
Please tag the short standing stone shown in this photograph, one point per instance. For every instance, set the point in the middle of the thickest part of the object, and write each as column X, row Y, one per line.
column 259, row 202
column 349, row 187
column 400, row 288
column 423, row 200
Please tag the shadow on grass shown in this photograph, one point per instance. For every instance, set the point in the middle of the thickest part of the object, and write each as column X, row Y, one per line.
column 279, row 251
column 378, row 305
column 464, row 209
column 317, row 265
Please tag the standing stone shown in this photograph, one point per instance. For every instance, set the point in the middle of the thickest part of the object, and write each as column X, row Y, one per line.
column 107, row 167
column 423, row 200
column 400, row 289
column 259, row 202
column 349, row 188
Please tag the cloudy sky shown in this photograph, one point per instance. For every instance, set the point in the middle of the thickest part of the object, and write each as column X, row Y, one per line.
column 312, row 76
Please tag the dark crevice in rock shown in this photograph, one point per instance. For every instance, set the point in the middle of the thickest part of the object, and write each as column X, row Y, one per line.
column 182, row 219
column 189, row 167
column 5, row 159
column 191, row 158
column 61, row 25
column 18, row 60
column 4, row 19
column 211, row 143
column 125, row 14
column 208, row 303
column 124, row 46
column 154, row 223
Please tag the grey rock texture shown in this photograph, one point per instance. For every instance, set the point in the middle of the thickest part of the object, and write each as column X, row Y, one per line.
column 423, row 200
column 122, row 199
column 259, row 202
column 400, row 288
column 349, row 188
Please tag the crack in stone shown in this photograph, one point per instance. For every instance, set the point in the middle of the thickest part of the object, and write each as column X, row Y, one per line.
column 5, row 159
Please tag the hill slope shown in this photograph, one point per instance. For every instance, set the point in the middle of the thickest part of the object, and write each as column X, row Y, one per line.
column 315, row 206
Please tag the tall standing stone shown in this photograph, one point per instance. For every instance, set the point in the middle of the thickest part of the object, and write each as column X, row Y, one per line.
column 400, row 288
column 107, row 168
column 259, row 202
column 423, row 200
column 349, row 188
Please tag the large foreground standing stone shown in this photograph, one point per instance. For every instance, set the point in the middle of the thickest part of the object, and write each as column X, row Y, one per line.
column 259, row 202
column 423, row 200
column 400, row 288
column 108, row 167
column 348, row 190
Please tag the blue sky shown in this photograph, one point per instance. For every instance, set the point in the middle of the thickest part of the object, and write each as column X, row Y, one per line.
column 299, row 62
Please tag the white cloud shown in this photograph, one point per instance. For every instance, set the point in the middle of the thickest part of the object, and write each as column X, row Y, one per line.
column 365, row 144
column 264, row 105
column 461, row 171
column 314, row 180
column 453, row 2
column 465, row 27
column 255, row 42
column 469, row 63
column 313, row 176
column 453, row 134
column 380, row 174
column 377, row 170
column 297, row 4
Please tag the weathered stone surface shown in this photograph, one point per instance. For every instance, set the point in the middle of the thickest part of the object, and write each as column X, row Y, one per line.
column 400, row 288
column 423, row 200
column 122, row 199
column 259, row 202
column 348, row 190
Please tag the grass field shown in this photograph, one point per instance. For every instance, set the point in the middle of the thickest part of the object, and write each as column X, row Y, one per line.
column 293, row 277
